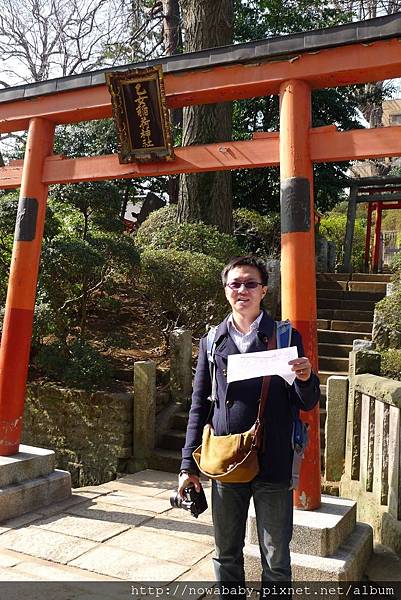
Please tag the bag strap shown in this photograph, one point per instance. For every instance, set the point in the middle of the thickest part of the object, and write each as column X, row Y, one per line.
column 283, row 334
column 258, row 434
column 210, row 349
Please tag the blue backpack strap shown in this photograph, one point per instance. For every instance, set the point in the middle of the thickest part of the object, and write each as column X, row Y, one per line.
column 210, row 343
column 283, row 334
column 210, row 349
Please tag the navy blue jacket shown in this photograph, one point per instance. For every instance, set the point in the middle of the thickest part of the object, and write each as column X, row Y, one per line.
column 236, row 407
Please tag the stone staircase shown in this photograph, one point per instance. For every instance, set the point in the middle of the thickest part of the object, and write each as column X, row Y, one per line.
column 345, row 306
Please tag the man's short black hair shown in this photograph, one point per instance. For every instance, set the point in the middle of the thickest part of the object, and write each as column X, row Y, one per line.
column 250, row 260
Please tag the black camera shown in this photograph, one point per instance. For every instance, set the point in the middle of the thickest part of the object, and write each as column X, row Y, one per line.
column 193, row 501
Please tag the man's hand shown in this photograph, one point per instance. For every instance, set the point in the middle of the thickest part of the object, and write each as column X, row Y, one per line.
column 185, row 479
column 301, row 367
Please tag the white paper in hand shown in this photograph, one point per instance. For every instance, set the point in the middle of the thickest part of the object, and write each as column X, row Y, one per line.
column 259, row 364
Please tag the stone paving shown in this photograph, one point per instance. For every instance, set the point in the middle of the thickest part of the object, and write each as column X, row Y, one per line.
column 122, row 531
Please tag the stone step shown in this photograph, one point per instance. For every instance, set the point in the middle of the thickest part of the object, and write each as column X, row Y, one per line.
column 342, row 350
column 173, row 439
column 333, row 363
column 321, row 535
column 331, row 285
column 347, row 564
column 29, row 463
column 354, row 296
column 179, row 421
column 30, row 495
column 333, row 276
column 379, row 277
column 341, row 337
column 345, row 315
column 360, row 326
column 323, row 324
column 165, row 460
column 323, row 294
column 324, row 375
column 367, row 286
column 368, row 295
column 365, row 305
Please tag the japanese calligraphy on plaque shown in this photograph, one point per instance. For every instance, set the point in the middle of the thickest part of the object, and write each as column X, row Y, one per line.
column 141, row 115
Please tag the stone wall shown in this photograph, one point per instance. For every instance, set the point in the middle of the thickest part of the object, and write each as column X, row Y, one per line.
column 90, row 433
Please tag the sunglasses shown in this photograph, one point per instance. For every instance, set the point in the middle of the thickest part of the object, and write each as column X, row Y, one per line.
column 249, row 285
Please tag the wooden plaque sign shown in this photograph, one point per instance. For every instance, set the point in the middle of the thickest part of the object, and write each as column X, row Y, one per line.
column 141, row 115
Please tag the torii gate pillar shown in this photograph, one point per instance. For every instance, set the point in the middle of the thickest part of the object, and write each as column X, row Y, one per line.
column 298, row 273
column 20, row 303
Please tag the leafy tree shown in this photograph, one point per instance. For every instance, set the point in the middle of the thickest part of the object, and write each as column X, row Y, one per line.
column 97, row 202
column 256, row 233
column 258, row 189
column 74, row 270
column 91, row 250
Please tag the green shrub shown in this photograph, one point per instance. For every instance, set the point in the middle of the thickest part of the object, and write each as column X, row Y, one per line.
column 391, row 364
column 204, row 239
column 77, row 364
column 158, row 222
column 256, row 233
column 387, row 327
column 395, row 266
column 332, row 227
column 163, row 232
column 186, row 286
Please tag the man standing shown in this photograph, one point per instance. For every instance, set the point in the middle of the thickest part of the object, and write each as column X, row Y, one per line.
column 248, row 329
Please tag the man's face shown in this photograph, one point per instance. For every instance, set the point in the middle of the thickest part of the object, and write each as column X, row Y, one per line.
column 245, row 301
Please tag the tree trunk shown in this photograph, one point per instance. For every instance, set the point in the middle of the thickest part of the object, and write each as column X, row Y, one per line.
column 171, row 26
column 207, row 197
column 172, row 39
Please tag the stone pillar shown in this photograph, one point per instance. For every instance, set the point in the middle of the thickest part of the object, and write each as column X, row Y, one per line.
column 331, row 256
column 144, row 411
column 181, row 365
column 336, row 424
column 363, row 361
column 321, row 254
column 360, row 361
column 272, row 298
column 346, row 267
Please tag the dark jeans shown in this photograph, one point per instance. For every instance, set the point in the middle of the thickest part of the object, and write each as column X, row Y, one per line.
column 274, row 518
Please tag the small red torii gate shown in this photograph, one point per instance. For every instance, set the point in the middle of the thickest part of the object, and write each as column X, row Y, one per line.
column 378, row 193
column 291, row 66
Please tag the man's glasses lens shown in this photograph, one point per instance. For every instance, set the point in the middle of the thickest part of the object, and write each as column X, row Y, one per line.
column 250, row 285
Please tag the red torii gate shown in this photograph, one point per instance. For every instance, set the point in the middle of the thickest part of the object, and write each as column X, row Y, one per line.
column 291, row 66
column 378, row 193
